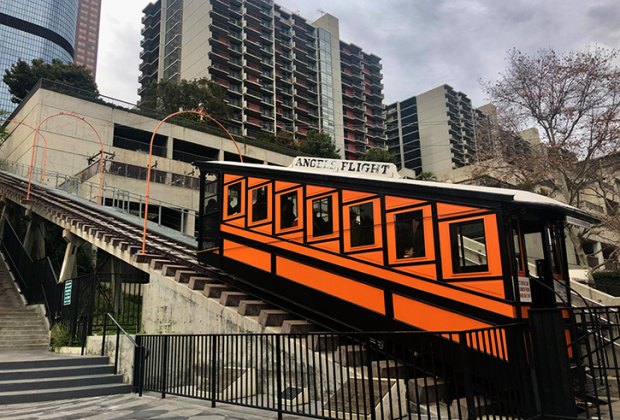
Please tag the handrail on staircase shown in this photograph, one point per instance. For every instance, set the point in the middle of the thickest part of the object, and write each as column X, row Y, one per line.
column 140, row 355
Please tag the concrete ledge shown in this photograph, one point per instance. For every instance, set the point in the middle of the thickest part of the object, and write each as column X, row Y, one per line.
column 251, row 307
column 232, row 298
column 215, row 290
column 144, row 258
column 273, row 317
column 158, row 264
column 351, row 355
column 183, row 276
column 296, row 326
column 169, row 270
column 199, row 283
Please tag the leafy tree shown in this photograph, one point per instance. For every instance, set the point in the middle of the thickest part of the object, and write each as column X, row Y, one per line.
column 573, row 99
column 379, row 155
column 169, row 96
column 22, row 77
column 281, row 138
column 426, row 176
column 3, row 134
column 319, row 144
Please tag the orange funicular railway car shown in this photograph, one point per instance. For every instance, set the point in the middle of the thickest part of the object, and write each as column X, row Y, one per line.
column 353, row 246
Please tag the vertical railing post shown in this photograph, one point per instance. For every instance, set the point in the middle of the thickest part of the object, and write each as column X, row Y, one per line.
column 105, row 325
column 279, row 374
column 118, row 340
column 164, row 367
column 371, row 390
column 467, row 382
column 213, row 378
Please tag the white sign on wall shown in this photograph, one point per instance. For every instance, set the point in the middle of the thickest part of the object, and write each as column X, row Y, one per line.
column 525, row 291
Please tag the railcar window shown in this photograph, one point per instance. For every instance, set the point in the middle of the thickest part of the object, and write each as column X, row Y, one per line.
column 234, row 199
column 516, row 238
column 259, row 204
column 409, row 234
column 469, row 251
column 362, row 229
column 322, row 223
column 288, row 210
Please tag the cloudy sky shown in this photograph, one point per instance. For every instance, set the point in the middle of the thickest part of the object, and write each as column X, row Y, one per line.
column 422, row 43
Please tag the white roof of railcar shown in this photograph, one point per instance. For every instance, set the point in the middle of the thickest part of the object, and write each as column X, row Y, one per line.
column 518, row 196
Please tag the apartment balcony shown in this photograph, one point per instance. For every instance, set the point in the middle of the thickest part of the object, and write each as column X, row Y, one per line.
column 219, row 70
column 219, row 56
column 220, row 42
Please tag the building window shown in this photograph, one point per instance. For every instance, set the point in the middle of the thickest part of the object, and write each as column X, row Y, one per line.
column 469, row 251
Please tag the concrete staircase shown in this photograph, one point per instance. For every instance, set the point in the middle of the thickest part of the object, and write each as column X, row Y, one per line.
column 21, row 327
column 33, row 377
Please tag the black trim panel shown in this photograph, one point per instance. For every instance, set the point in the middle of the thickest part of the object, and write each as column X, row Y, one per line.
column 37, row 30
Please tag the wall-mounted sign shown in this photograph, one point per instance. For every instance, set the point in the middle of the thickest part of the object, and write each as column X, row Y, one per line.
column 525, row 291
column 66, row 295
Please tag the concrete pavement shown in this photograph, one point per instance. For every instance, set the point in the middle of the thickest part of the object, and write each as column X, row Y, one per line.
column 131, row 406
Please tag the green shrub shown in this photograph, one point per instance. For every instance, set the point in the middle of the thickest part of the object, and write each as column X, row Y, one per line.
column 60, row 336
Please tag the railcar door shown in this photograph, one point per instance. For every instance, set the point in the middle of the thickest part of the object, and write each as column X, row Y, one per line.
column 541, row 242
column 210, row 215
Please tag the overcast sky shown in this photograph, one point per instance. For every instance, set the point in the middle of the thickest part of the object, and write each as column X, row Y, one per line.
column 422, row 43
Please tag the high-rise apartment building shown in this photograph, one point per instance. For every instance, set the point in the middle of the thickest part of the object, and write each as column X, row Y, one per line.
column 87, row 34
column 32, row 29
column 280, row 71
column 434, row 131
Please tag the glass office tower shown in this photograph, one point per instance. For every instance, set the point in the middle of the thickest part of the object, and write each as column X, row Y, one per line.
column 35, row 29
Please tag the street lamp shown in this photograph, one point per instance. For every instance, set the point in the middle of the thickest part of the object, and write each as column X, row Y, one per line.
column 200, row 112
column 34, row 145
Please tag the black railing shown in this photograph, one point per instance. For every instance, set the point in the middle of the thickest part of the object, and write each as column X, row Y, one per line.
column 141, row 353
column 346, row 376
column 36, row 279
column 95, row 295
column 595, row 348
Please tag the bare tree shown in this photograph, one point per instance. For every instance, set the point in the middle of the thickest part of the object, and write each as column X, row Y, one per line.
column 573, row 99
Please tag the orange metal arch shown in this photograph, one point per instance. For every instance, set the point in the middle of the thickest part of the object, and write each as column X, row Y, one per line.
column 44, row 141
column 201, row 112
column 34, row 145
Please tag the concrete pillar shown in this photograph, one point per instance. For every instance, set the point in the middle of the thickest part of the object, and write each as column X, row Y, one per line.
column 34, row 239
column 3, row 216
column 116, row 284
column 169, row 147
column 69, row 262
column 598, row 253
column 220, row 155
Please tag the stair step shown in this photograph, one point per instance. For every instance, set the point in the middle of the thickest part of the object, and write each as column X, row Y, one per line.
column 64, row 382
column 55, row 372
column 56, row 362
column 19, row 397
column 198, row 282
column 351, row 355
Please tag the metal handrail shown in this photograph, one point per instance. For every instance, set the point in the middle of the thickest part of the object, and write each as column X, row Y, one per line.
column 140, row 355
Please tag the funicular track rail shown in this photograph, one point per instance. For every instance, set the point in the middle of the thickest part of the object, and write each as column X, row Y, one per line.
column 158, row 245
column 104, row 223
